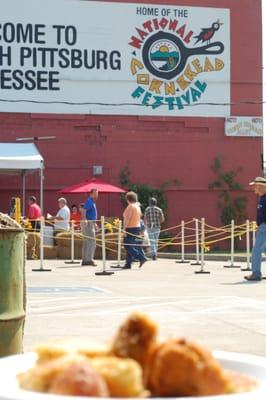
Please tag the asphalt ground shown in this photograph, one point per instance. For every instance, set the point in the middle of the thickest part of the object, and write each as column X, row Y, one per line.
column 220, row 310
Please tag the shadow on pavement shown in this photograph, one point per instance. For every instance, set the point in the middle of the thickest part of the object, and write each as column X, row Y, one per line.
column 240, row 283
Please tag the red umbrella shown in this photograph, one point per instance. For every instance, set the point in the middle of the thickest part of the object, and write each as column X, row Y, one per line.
column 87, row 186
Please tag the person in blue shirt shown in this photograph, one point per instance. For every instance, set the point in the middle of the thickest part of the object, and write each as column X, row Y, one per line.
column 89, row 239
column 259, row 185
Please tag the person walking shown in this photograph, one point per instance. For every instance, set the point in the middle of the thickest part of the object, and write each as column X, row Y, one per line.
column 153, row 218
column 259, row 185
column 132, row 216
column 89, row 240
column 34, row 213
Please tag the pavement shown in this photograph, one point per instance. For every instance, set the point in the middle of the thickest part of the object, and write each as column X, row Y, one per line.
column 220, row 310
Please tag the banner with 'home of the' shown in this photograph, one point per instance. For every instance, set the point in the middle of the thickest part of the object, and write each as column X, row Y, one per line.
column 69, row 56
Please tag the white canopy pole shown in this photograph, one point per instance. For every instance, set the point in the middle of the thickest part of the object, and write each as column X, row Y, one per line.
column 41, row 188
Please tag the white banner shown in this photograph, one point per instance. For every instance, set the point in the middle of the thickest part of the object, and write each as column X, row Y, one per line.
column 244, row 126
column 66, row 56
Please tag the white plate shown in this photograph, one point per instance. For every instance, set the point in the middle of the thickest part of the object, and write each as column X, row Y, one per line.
column 251, row 365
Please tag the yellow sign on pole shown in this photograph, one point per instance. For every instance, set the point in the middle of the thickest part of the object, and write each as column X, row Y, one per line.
column 17, row 213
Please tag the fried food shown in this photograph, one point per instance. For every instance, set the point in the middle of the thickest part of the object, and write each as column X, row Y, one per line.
column 39, row 378
column 59, row 348
column 123, row 376
column 73, row 374
column 135, row 338
column 79, row 379
column 136, row 364
column 182, row 368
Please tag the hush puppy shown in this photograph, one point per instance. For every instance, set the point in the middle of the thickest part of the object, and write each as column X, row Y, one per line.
column 180, row 367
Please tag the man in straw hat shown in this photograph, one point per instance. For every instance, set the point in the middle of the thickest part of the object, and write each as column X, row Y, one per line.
column 259, row 185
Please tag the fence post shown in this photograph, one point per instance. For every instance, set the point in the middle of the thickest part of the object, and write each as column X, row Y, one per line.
column 103, row 272
column 41, row 269
column 119, row 245
column 72, row 261
column 202, row 244
column 182, row 261
column 232, row 265
column 197, row 262
column 248, row 268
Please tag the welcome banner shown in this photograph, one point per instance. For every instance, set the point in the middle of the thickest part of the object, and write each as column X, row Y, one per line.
column 66, row 56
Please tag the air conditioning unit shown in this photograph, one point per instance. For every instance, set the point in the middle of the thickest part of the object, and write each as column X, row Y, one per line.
column 97, row 170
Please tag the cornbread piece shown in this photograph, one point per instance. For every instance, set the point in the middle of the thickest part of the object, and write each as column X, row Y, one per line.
column 59, row 348
column 179, row 367
column 123, row 376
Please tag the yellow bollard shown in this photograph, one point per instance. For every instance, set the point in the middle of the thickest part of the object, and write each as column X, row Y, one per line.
column 17, row 210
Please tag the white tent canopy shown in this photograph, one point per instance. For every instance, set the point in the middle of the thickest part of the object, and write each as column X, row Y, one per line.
column 21, row 159
column 17, row 157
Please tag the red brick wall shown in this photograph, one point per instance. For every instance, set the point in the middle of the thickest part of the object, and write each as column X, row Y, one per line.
column 156, row 149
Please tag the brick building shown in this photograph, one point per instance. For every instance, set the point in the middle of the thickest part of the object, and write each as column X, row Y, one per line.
column 157, row 147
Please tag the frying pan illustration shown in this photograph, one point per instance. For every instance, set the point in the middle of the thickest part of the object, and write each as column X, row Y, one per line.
column 168, row 66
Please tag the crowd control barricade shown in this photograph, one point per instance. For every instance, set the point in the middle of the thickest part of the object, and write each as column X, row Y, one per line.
column 182, row 261
column 41, row 269
column 197, row 262
column 104, row 271
column 232, row 264
column 202, row 244
column 119, row 246
column 72, row 230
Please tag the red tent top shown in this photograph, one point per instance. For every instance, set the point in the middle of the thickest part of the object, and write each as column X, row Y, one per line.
column 94, row 183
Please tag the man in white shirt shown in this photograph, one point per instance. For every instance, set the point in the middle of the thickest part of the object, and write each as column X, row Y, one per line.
column 61, row 220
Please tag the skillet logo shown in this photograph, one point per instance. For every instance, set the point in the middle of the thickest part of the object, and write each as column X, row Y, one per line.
column 166, row 64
